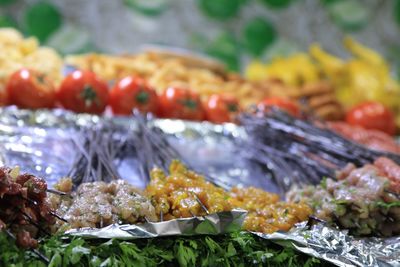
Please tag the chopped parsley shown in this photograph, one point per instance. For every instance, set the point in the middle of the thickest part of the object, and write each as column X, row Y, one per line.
column 389, row 205
column 235, row 249
column 323, row 182
column 340, row 201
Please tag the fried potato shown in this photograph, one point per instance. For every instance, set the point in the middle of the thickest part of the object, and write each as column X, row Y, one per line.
column 17, row 52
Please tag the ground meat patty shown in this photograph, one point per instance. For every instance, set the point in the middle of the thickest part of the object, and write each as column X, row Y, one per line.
column 391, row 170
column 360, row 200
column 99, row 204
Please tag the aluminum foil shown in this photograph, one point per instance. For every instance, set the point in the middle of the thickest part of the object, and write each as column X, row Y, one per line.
column 217, row 223
column 205, row 146
column 339, row 248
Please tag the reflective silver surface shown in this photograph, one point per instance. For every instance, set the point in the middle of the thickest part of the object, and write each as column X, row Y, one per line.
column 217, row 223
column 206, row 147
column 339, row 248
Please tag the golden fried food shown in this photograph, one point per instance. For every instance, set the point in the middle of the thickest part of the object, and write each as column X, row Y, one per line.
column 266, row 213
column 182, row 193
column 320, row 99
column 17, row 52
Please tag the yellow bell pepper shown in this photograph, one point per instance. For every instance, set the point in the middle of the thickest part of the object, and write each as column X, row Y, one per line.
column 366, row 76
column 256, row 71
column 294, row 70
column 330, row 65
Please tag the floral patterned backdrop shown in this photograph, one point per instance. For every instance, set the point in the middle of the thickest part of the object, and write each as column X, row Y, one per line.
column 234, row 31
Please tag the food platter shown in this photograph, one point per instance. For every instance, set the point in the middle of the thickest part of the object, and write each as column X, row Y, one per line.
column 216, row 144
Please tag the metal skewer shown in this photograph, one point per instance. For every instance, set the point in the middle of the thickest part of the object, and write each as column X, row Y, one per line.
column 33, row 202
column 35, row 251
column 201, row 204
column 313, row 218
column 57, row 192
column 191, row 213
column 31, row 221
column 58, row 216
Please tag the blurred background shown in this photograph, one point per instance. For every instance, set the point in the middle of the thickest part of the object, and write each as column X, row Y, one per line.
column 234, row 31
column 328, row 56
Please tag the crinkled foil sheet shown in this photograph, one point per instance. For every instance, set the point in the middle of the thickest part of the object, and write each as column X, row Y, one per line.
column 29, row 136
column 339, row 248
column 217, row 223
column 40, row 141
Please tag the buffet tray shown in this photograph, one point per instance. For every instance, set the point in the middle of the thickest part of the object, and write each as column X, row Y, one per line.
column 40, row 141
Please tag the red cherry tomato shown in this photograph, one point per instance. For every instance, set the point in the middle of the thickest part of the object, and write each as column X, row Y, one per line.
column 133, row 92
column 287, row 105
column 3, row 96
column 372, row 115
column 83, row 91
column 30, row 89
column 221, row 108
column 181, row 104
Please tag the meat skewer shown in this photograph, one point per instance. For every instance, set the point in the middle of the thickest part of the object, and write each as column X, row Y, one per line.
column 157, row 151
column 22, row 204
column 52, row 213
column 32, row 221
column 35, row 251
column 296, row 151
column 97, row 150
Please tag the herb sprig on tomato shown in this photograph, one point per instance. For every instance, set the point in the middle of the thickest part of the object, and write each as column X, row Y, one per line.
column 83, row 91
column 30, row 89
column 181, row 103
column 221, row 108
column 130, row 93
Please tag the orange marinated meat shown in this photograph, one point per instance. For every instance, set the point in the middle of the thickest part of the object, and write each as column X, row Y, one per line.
column 266, row 213
column 182, row 193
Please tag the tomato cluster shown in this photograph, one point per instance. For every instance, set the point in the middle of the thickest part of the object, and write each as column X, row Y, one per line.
column 84, row 92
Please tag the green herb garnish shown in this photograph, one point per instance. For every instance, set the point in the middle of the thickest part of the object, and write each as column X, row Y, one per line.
column 323, row 182
column 389, row 205
column 340, row 201
column 235, row 249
